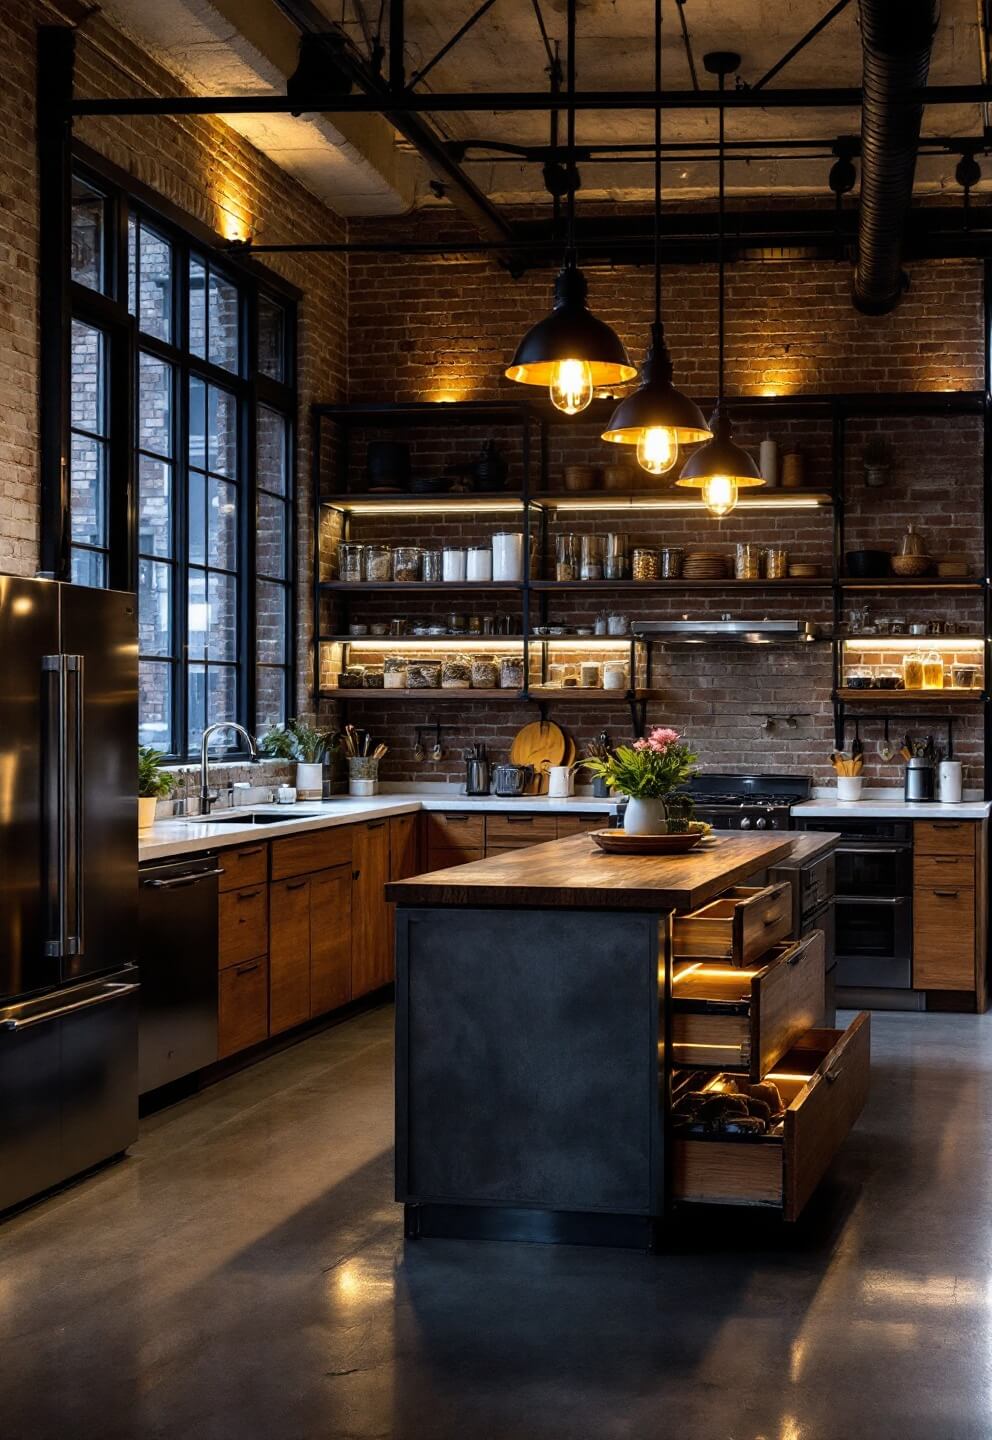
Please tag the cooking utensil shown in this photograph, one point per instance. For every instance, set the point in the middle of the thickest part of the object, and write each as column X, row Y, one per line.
column 886, row 750
column 538, row 745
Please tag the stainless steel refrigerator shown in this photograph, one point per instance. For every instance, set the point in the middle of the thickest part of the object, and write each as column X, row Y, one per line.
column 68, row 881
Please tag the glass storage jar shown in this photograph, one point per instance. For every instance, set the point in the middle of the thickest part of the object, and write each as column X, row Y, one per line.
column 589, row 674
column 423, row 674
column 912, row 671
column 614, row 675
column 406, row 563
column 373, row 678
column 351, row 679
column 511, row 672
column 456, row 673
column 430, row 565
column 485, row 673
column 394, row 672
column 350, row 566
column 933, row 671
column 591, row 563
column 747, row 562
column 566, row 557
column 671, row 562
column 479, row 563
column 615, row 556
column 453, row 564
column 645, row 563
column 965, row 676
column 378, row 562
column 776, row 562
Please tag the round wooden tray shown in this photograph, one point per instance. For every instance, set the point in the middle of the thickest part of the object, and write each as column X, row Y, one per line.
column 618, row 842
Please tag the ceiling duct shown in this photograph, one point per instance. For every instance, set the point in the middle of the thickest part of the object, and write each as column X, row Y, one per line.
column 897, row 39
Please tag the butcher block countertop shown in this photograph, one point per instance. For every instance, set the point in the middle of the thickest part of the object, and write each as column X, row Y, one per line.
column 575, row 874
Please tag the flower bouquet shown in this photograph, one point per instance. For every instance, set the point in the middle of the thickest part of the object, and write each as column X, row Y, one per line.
column 652, row 773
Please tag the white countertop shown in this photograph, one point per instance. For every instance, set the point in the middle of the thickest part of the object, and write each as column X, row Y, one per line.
column 891, row 809
column 177, row 836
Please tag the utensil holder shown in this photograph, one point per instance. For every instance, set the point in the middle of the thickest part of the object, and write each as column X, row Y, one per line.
column 849, row 787
column 363, row 775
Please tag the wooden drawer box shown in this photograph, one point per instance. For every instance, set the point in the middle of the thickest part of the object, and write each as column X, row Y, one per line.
column 243, row 1006
column 243, row 925
column 456, row 830
column 944, row 837
column 581, row 824
column 725, row 1018
column 944, row 937
column 247, row 865
column 739, row 927
column 443, row 858
column 316, row 850
column 781, row 1172
column 943, row 871
column 522, row 829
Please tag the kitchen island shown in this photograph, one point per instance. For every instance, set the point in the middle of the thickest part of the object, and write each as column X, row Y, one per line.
column 558, row 1011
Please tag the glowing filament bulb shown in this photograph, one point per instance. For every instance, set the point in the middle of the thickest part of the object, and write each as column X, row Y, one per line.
column 571, row 386
column 720, row 494
column 657, row 449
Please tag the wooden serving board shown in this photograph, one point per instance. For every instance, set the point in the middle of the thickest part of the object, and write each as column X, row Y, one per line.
column 541, row 743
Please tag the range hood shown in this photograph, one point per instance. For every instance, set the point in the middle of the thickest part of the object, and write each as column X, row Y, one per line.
column 723, row 630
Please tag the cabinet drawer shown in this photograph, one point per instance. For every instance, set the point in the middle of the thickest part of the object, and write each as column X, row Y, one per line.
column 725, row 1018
column 525, row 829
column 943, row 872
column 455, row 831
column 247, row 865
column 944, row 837
column 824, row 1082
column 944, row 937
column 316, row 850
column 443, row 859
column 739, row 927
column 580, row 824
column 243, row 1006
column 243, row 925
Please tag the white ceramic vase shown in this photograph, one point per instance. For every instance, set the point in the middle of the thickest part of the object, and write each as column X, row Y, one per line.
column 309, row 781
column 646, row 817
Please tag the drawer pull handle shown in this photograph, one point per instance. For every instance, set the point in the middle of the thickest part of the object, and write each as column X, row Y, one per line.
column 456, row 819
column 375, row 825
column 945, row 859
column 247, row 969
column 773, row 918
column 249, row 894
column 834, row 1074
column 296, row 885
column 255, row 850
column 524, row 820
column 947, row 894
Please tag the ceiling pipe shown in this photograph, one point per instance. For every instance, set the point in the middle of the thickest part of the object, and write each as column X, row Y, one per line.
column 897, row 39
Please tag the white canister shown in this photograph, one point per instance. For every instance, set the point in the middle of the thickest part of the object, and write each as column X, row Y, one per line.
column 286, row 795
column 453, row 565
column 309, row 780
column 849, row 787
column 614, row 675
column 508, row 555
column 479, row 565
column 561, row 782
column 949, row 780
column 768, row 463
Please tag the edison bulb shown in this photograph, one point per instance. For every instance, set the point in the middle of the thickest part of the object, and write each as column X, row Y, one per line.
column 720, row 494
column 657, row 449
column 571, row 386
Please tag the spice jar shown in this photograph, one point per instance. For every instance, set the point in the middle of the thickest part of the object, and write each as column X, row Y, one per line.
column 614, row 675
column 373, row 678
column 485, row 673
column 671, row 562
column 456, row 673
column 645, row 566
column 776, row 563
column 615, row 556
column 378, row 562
column 591, row 563
column 394, row 672
column 566, row 557
column 912, row 671
column 430, row 565
column 453, row 564
column 793, row 469
column 747, row 562
column 423, row 674
column 406, row 563
column 479, row 563
column 350, row 562
column 511, row 672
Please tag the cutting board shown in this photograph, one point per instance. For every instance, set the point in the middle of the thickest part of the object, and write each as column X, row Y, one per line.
column 542, row 743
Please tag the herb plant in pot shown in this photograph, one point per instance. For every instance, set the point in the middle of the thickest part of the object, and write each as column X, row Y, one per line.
column 649, row 773
column 154, row 784
column 306, row 745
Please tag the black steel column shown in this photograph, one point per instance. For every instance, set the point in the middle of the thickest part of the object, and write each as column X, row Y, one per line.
column 56, row 59
column 397, row 39
column 987, row 521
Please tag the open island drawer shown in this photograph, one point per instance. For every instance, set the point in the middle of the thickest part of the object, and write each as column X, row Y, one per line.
column 725, row 1018
column 739, row 927
column 824, row 1082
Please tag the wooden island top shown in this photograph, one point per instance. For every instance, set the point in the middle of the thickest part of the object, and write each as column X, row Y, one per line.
column 575, row 874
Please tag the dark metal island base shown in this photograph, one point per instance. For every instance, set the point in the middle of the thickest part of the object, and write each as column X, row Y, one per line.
column 553, row 1004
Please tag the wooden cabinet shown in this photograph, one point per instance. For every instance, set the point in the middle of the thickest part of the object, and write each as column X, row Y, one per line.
column 945, row 837
column 330, row 939
column 243, row 1006
column 313, row 850
column 505, row 829
column 580, row 824
column 246, row 865
column 372, row 941
column 739, row 927
column 243, row 925
column 289, row 953
column 949, row 900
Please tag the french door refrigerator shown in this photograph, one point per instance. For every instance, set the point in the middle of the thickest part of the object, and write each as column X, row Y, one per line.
column 68, row 882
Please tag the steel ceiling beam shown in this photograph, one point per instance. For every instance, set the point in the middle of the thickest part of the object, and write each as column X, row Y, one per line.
column 801, row 44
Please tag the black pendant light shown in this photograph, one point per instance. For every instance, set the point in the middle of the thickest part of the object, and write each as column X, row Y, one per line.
column 657, row 418
column 720, row 468
column 570, row 351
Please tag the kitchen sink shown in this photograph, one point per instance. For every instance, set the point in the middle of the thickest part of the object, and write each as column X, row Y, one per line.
column 258, row 817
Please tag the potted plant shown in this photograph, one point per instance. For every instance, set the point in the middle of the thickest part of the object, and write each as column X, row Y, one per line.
column 154, row 784
column 305, row 744
column 649, row 772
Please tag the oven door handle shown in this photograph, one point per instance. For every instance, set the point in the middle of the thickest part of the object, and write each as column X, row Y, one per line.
column 895, row 848
column 871, row 899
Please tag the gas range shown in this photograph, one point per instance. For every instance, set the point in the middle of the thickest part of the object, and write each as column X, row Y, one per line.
column 748, row 802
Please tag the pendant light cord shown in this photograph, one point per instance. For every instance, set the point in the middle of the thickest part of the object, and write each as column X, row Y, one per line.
column 722, row 283
column 570, row 131
column 657, row 162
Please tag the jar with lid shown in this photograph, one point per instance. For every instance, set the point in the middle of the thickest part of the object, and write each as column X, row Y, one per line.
column 590, row 676
column 645, row 563
column 747, row 562
column 511, row 672
column 508, row 556
column 671, row 562
column 430, row 566
column 859, row 677
column 614, row 675
column 351, row 679
column 566, row 557
column 912, row 670
column 406, row 563
column 378, row 562
column 591, row 563
column 350, row 567
column 394, row 672
column 485, row 672
column 373, row 679
column 453, row 564
column 423, row 674
column 456, row 623
column 615, row 556
column 965, row 675
column 776, row 562
column 617, row 624
column 600, row 625
column 479, row 563
column 456, row 673
column 933, row 671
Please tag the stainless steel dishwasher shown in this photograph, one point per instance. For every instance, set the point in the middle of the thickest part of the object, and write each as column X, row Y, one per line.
column 177, row 959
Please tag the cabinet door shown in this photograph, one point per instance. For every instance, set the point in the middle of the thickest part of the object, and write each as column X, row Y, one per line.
column 944, row 938
column 330, row 939
column 243, row 1007
column 289, row 953
column 404, row 861
column 371, row 945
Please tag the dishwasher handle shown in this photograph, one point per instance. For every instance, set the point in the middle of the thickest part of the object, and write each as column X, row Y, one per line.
column 178, row 881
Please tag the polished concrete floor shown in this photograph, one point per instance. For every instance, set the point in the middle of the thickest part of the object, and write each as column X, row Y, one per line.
column 244, row 1275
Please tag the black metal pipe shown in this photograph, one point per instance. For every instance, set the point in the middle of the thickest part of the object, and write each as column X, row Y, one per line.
column 897, row 40
column 397, row 43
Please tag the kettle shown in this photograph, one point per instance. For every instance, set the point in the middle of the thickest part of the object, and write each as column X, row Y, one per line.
column 919, row 784
column 512, row 779
column 476, row 775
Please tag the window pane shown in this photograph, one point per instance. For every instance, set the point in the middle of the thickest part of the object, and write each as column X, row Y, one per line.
column 270, row 537
column 88, row 380
column 88, row 490
column 197, row 518
column 154, row 507
column 271, row 338
column 196, row 700
column 223, row 324
column 197, row 618
column 155, row 705
column 154, row 404
column 222, row 432
column 270, row 624
column 222, row 524
column 154, row 608
column 132, row 265
column 270, row 706
column 271, row 448
column 86, row 242
column 222, row 696
column 89, row 568
column 155, row 300
column 197, row 424
column 222, row 607
column 197, row 308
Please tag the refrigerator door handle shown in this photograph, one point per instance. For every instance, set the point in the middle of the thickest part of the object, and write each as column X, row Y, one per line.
column 53, row 667
column 108, row 992
column 75, row 854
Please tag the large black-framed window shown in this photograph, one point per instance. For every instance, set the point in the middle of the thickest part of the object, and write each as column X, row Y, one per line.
column 181, row 459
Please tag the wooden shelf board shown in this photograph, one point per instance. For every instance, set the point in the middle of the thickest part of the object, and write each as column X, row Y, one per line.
column 910, row 697
column 646, row 586
column 770, row 498
column 462, row 500
column 924, row 582
column 416, row 587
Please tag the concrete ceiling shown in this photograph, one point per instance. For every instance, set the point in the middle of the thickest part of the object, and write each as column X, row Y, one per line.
column 359, row 166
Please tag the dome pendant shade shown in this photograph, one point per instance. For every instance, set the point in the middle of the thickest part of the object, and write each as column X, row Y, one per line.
column 720, row 457
column 656, row 404
column 570, row 332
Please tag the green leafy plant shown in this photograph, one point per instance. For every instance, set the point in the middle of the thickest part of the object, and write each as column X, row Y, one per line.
column 154, row 783
column 297, row 740
column 649, row 769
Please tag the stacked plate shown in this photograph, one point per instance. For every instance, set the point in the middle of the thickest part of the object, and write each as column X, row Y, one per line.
column 705, row 565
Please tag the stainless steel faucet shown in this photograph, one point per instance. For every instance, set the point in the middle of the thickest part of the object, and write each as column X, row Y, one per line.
column 208, row 796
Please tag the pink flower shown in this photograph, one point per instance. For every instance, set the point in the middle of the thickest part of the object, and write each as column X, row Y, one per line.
column 660, row 738
column 641, row 745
